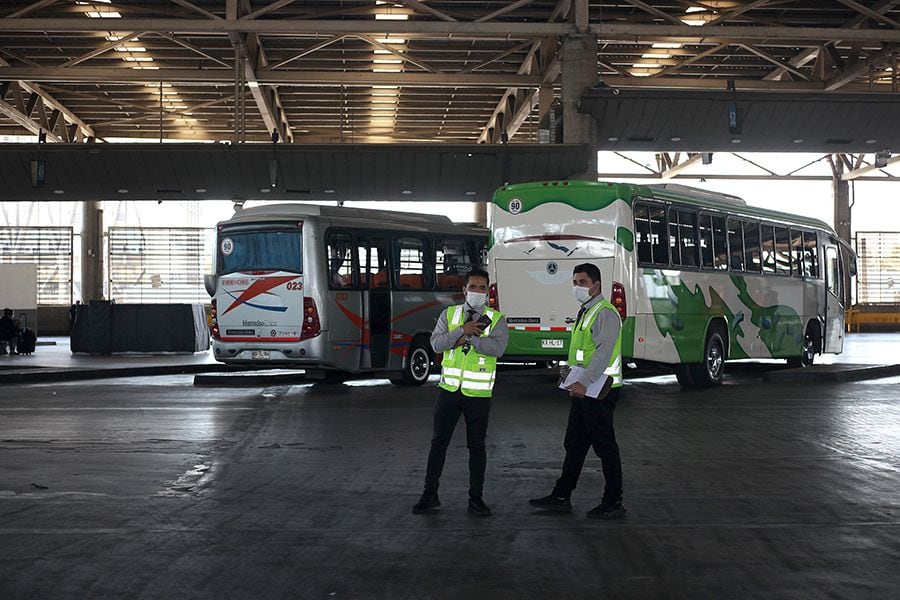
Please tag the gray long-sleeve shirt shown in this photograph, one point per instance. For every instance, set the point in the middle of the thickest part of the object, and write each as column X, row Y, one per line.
column 493, row 344
column 604, row 332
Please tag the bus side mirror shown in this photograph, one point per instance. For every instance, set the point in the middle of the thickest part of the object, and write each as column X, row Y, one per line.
column 209, row 282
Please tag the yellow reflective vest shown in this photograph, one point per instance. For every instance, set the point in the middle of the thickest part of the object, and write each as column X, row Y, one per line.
column 470, row 372
column 581, row 346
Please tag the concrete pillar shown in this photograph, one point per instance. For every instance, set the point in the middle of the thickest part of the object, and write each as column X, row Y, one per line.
column 579, row 73
column 91, row 251
column 480, row 213
column 841, row 193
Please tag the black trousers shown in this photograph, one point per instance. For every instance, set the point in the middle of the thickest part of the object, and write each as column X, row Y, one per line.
column 591, row 425
column 447, row 408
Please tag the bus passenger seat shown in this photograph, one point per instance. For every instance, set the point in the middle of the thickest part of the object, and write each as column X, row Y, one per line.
column 380, row 279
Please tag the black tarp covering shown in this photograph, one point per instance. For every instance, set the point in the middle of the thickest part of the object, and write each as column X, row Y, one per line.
column 106, row 328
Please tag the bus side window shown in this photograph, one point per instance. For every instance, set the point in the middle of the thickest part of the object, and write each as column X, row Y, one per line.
column 642, row 233
column 736, row 244
column 658, row 236
column 810, row 254
column 687, row 238
column 369, row 271
column 409, row 264
column 720, row 243
column 752, row 259
column 768, row 248
column 452, row 263
column 340, row 262
column 674, row 245
column 706, row 242
column 782, row 251
column 797, row 252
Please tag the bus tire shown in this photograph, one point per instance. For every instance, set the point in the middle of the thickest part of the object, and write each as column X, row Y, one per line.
column 710, row 371
column 416, row 364
column 684, row 376
column 808, row 352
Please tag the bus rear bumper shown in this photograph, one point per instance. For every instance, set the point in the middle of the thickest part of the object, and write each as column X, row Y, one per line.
column 307, row 352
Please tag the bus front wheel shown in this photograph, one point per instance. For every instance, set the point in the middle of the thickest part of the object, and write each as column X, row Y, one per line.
column 417, row 365
column 808, row 352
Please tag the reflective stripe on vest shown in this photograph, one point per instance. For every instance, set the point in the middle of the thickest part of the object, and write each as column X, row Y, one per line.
column 471, row 373
column 582, row 347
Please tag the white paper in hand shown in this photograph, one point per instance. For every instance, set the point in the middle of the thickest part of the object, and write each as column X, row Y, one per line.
column 575, row 374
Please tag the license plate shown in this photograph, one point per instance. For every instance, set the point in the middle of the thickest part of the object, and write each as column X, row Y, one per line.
column 551, row 343
column 260, row 355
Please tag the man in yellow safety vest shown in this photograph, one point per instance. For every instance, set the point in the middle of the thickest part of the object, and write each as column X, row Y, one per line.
column 595, row 357
column 471, row 336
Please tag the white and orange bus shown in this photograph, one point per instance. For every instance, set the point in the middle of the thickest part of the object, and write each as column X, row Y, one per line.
column 331, row 289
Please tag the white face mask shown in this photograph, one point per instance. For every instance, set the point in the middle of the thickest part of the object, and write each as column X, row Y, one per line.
column 582, row 294
column 475, row 299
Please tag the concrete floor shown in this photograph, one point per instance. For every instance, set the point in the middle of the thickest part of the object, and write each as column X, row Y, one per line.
column 153, row 488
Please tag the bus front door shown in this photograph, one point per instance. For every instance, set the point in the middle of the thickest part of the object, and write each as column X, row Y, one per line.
column 834, row 300
column 377, row 301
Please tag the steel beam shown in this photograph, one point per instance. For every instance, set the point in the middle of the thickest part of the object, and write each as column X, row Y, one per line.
column 424, row 8
column 655, row 11
column 856, row 70
column 31, row 8
column 621, row 176
column 675, row 169
column 21, row 116
column 807, row 55
column 52, row 102
column 461, row 30
column 503, row 11
column 267, row 76
column 705, row 83
column 872, row 14
column 858, row 173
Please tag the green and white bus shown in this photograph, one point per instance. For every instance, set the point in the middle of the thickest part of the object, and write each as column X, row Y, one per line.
column 698, row 277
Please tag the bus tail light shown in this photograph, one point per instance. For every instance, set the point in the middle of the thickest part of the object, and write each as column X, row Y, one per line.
column 493, row 297
column 214, row 319
column 618, row 299
column 311, row 327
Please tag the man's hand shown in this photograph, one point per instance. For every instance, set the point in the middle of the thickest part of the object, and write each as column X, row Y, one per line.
column 577, row 390
column 473, row 328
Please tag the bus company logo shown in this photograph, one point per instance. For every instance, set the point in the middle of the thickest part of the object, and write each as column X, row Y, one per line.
column 523, row 320
column 235, row 282
column 552, row 267
column 227, row 246
column 254, row 323
column 515, row 206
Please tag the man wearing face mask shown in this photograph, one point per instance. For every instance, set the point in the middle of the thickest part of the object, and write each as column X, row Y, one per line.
column 596, row 346
column 471, row 336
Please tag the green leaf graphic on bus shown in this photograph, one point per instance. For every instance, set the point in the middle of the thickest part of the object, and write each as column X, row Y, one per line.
column 683, row 315
column 780, row 327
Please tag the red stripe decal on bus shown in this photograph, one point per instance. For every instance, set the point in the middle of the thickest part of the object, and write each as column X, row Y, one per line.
column 258, row 287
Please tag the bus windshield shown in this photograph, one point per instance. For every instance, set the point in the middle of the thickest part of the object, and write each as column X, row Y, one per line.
column 261, row 251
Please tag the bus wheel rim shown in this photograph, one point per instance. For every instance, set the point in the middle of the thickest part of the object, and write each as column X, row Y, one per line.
column 419, row 364
column 808, row 352
column 714, row 360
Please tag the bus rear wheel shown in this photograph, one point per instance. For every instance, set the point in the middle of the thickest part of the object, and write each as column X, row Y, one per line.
column 710, row 372
column 417, row 366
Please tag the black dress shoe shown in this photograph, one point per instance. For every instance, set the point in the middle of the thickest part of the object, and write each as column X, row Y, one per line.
column 613, row 510
column 427, row 503
column 479, row 508
column 551, row 502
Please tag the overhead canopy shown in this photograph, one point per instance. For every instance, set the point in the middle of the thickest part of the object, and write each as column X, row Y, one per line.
column 698, row 121
column 225, row 172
